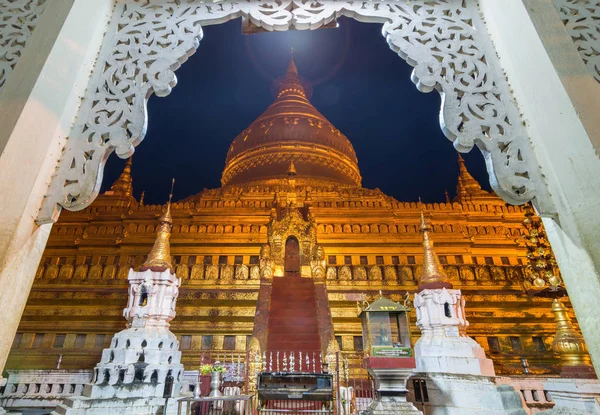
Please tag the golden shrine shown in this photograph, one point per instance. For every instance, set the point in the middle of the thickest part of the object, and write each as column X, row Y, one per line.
column 291, row 208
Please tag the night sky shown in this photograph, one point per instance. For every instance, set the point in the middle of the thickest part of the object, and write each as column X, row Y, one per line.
column 359, row 84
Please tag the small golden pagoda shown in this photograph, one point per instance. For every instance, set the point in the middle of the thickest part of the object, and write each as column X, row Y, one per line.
column 432, row 274
column 569, row 344
column 159, row 258
column 291, row 209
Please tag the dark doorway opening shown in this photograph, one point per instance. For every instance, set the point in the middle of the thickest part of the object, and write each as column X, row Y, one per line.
column 292, row 257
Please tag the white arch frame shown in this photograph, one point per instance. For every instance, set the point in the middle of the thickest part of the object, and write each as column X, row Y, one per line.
column 446, row 42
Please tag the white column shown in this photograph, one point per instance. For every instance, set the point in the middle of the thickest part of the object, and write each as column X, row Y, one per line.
column 38, row 104
column 560, row 103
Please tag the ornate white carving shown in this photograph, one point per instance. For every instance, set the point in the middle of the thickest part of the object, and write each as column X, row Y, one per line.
column 444, row 40
column 18, row 19
column 582, row 20
column 444, row 346
column 152, row 298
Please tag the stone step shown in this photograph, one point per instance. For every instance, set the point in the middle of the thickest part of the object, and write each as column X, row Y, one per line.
column 293, row 324
column 310, row 346
column 285, row 329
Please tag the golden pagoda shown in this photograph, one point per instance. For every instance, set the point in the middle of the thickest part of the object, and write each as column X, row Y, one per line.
column 291, row 208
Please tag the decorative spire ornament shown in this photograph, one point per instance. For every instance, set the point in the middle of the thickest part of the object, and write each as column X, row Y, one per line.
column 123, row 186
column 467, row 186
column 542, row 269
column 159, row 257
column 569, row 344
column 432, row 274
column 291, row 82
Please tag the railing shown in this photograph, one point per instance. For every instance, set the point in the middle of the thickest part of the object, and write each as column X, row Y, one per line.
column 277, row 407
column 42, row 388
column 48, row 388
column 355, row 388
column 290, row 362
column 223, row 405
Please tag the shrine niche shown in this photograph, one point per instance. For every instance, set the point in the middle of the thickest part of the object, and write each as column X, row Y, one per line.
column 291, row 223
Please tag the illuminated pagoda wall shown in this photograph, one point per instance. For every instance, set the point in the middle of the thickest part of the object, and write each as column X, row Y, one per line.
column 291, row 156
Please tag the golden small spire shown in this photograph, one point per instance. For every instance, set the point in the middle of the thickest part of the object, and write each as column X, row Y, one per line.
column 568, row 343
column 159, row 258
column 467, row 185
column 291, row 83
column 123, row 186
column 432, row 274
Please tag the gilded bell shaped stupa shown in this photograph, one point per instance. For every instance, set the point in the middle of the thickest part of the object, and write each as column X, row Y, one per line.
column 291, row 131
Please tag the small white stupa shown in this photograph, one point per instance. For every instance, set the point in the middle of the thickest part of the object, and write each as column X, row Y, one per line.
column 444, row 346
column 459, row 376
column 140, row 373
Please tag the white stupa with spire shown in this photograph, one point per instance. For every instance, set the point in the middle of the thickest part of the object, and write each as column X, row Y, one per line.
column 444, row 346
column 140, row 373
column 460, row 379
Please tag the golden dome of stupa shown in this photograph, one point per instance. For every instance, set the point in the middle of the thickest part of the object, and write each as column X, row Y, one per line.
column 291, row 130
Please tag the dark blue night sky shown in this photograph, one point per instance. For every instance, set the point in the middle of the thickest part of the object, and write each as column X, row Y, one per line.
column 359, row 84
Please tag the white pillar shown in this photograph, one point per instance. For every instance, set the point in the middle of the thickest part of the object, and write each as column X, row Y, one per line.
column 38, row 104
column 560, row 103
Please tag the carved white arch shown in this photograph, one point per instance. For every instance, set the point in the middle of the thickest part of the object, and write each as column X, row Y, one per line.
column 18, row 19
column 582, row 21
column 147, row 40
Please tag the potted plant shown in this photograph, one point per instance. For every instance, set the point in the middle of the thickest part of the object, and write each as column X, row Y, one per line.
column 205, row 371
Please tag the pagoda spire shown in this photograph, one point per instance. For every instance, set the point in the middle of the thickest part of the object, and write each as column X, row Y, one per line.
column 291, row 83
column 159, row 258
column 432, row 274
column 123, row 186
column 467, row 185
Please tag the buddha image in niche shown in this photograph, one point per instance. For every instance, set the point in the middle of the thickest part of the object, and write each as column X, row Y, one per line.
column 385, row 334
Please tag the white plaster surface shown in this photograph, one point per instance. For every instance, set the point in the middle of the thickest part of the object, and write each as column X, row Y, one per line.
column 576, row 394
column 38, row 103
column 469, row 395
column 560, row 103
column 444, row 346
column 133, row 374
column 42, row 388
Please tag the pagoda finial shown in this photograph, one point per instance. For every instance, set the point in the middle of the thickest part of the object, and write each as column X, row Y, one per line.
column 467, row 185
column 569, row 344
column 123, row 186
column 159, row 258
column 291, row 82
column 432, row 274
